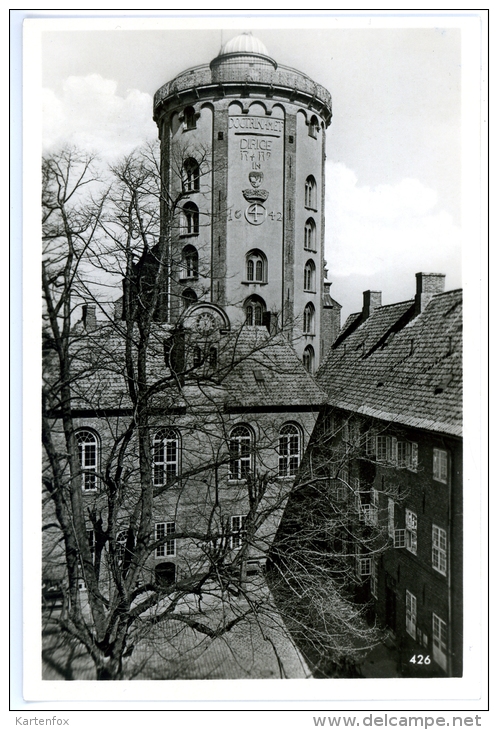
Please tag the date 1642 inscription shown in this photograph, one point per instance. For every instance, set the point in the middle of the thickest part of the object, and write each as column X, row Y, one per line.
column 255, row 214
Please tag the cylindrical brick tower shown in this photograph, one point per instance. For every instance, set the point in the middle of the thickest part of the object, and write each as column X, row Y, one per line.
column 243, row 157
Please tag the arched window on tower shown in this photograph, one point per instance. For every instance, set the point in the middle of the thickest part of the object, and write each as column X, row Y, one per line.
column 190, row 177
column 188, row 297
column 240, row 452
column 310, row 192
column 310, row 235
column 309, row 276
column 190, row 219
column 255, row 307
column 190, row 117
column 256, row 267
column 88, row 453
column 190, row 262
column 309, row 319
column 309, row 359
column 289, row 450
column 313, row 127
column 165, row 456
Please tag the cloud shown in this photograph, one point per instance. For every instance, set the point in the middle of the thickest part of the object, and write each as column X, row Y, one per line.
column 388, row 229
column 91, row 115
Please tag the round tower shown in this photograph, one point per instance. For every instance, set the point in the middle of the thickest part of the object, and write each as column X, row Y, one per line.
column 243, row 154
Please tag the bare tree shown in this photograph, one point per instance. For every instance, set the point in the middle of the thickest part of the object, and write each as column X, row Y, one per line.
column 117, row 393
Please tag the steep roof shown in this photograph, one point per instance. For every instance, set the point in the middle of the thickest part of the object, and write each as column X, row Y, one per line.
column 253, row 370
column 400, row 367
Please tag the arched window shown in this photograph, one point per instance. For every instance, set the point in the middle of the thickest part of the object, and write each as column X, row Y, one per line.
column 289, row 450
column 310, row 235
column 310, row 192
column 188, row 297
column 313, row 127
column 309, row 276
column 255, row 308
column 190, row 117
column 309, row 319
column 165, row 456
column 190, row 219
column 256, row 266
column 88, row 453
column 190, row 262
column 190, row 177
column 240, row 453
column 309, row 359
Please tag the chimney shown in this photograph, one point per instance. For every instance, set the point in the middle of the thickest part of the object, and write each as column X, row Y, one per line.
column 89, row 317
column 427, row 286
column 371, row 300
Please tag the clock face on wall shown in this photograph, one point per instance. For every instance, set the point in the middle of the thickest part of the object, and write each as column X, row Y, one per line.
column 205, row 322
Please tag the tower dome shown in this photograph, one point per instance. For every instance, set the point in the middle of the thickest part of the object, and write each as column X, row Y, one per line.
column 244, row 43
column 242, row 50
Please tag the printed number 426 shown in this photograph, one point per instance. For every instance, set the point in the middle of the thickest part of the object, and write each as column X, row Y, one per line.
column 420, row 659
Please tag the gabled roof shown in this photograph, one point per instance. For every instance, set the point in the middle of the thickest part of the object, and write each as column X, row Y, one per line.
column 399, row 367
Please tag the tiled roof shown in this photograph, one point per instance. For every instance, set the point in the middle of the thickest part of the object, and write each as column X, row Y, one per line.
column 399, row 367
column 254, row 369
column 269, row 373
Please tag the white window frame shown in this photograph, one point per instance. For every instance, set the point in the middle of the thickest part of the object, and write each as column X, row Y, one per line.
column 88, row 462
column 289, row 450
column 440, row 465
column 237, row 531
column 439, row 549
column 439, row 641
column 241, row 463
column 411, row 531
column 168, row 548
column 411, row 615
column 165, row 469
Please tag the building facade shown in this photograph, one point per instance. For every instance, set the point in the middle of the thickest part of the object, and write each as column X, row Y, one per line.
column 394, row 384
column 243, row 162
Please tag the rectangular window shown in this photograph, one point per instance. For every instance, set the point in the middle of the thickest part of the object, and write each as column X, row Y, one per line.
column 237, row 528
column 370, row 444
column 372, row 509
column 381, row 449
column 439, row 641
column 168, row 547
column 413, row 465
column 440, row 465
column 386, row 449
column 439, row 549
column 399, row 538
column 411, row 531
column 90, row 536
column 403, row 453
column 411, row 615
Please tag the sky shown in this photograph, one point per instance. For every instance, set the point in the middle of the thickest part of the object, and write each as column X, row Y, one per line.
column 393, row 170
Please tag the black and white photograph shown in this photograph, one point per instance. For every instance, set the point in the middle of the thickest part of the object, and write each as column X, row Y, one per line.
column 253, row 247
